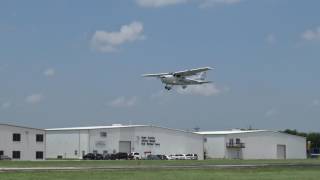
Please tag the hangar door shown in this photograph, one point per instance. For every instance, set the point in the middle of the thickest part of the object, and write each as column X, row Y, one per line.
column 125, row 146
column 281, row 151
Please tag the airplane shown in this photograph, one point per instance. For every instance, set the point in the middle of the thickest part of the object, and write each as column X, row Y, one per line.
column 182, row 78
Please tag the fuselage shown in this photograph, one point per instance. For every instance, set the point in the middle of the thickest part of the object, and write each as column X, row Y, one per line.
column 173, row 80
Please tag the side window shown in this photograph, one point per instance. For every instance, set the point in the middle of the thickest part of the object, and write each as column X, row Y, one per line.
column 15, row 154
column 103, row 134
column 16, row 137
column 1, row 153
column 237, row 141
column 39, row 138
column 39, row 155
column 76, row 152
column 230, row 141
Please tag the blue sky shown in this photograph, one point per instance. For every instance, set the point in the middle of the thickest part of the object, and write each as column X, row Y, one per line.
column 74, row 63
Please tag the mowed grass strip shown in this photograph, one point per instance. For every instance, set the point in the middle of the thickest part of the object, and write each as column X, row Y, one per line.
column 219, row 174
column 106, row 163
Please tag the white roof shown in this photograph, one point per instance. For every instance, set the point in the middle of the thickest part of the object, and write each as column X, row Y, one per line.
column 112, row 127
column 230, row 132
column 94, row 127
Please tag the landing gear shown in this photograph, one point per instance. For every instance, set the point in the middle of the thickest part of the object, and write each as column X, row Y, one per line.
column 168, row 87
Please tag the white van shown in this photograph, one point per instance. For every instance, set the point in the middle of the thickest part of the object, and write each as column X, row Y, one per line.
column 192, row 157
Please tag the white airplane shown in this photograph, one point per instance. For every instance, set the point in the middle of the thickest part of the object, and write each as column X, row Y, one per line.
column 182, row 78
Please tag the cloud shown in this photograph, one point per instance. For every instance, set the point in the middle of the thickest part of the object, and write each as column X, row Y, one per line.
column 6, row 105
column 211, row 3
column 271, row 39
column 105, row 41
column 123, row 102
column 203, row 90
column 311, row 35
column 158, row 3
column 49, row 72
column 34, row 98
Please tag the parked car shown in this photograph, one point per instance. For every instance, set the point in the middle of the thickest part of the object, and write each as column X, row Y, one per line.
column 192, row 157
column 171, row 157
column 99, row 157
column 4, row 157
column 107, row 156
column 119, row 155
column 89, row 156
column 134, row 156
column 180, row 157
column 162, row 157
column 153, row 157
column 92, row 156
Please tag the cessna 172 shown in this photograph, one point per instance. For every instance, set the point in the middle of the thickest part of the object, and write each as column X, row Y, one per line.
column 183, row 78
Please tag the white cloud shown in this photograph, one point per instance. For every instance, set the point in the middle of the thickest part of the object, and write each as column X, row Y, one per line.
column 311, row 35
column 49, row 72
column 271, row 39
column 105, row 41
column 6, row 105
column 34, row 98
column 123, row 102
column 211, row 3
column 158, row 3
column 203, row 90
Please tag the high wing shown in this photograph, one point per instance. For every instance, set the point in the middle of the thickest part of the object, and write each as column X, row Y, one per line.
column 191, row 72
column 155, row 75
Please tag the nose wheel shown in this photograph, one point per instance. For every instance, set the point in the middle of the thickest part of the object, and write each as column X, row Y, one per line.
column 168, row 88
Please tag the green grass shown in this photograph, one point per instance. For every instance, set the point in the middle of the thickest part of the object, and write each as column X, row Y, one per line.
column 219, row 174
column 82, row 163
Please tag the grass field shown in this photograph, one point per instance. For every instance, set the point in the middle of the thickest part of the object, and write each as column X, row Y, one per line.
column 270, row 172
column 81, row 163
column 219, row 174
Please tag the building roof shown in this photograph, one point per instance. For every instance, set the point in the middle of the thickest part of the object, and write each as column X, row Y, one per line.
column 113, row 127
column 94, row 127
column 238, row 131
column 17, row 126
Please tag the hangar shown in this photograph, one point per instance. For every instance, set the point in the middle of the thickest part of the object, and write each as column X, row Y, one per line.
column 22, row 143
column 144, row 139
column 253, row 144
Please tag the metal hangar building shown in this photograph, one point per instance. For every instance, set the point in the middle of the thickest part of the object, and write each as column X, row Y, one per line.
column 144, row 139
column 253, row 144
